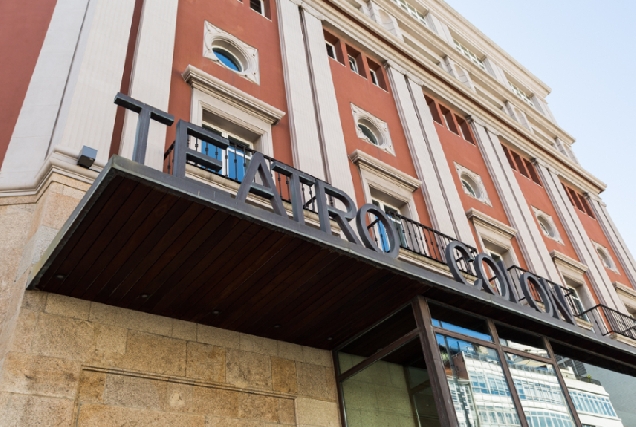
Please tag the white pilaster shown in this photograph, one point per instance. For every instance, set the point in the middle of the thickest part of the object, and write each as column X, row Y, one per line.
column 305, row 136
column 29, row 144
column 532, row 245
column 442, row 199
column 618, row 244
column 150, row 77
column 495, row 71
column 88, row 116
column 581, row 242
column 329, row 125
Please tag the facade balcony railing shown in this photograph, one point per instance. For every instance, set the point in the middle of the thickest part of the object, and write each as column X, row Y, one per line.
column 230, row 158
column 610, row 321
column 426, row 241
column 515, row 272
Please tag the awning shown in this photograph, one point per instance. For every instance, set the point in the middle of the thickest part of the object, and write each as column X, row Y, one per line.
column 148, row 241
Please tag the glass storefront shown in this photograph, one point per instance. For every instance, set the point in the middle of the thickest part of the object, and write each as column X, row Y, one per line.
column 496, row 376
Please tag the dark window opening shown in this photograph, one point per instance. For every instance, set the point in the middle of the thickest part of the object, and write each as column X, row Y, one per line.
column 432, row 105
column 465, row 128
column 449, row 119
column 375, row 71
column 258, row 6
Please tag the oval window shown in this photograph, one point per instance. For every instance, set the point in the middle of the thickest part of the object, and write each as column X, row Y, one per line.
column 227, row 59
column 605, row 259
column 369, row 134
column 470, row 187
column 546, row 226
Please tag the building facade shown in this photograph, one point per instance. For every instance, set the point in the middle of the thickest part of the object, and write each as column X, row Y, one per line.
column 296, row 212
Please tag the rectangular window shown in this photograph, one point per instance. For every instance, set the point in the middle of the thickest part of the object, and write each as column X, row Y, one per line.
column 331, row 50
column 432, row 105
column 376, row 75
column 448, row 119
column 258, row 6
column 465, row 128
column 234, row 159
column 353, row 64
column 579, row 201
column 374, row 78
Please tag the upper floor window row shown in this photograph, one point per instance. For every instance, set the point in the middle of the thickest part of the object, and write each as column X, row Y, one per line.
column 355, row 60
column 522, row 165
column 470, row 55
column 579, row 201
column 453, row 122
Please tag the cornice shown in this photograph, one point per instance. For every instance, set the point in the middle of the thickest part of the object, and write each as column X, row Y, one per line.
column 216, row 87
column 625, row 290
column 378, row 167
column 480, row 218
column 376, row 39
column 571, row 263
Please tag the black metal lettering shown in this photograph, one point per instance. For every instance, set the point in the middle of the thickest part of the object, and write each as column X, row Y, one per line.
column 499, row 271
column 326, row 212
column 296, row 181
column 451, row 261
column 267, row 190
column 383, row 218
column 146, row 113
column 524, row 281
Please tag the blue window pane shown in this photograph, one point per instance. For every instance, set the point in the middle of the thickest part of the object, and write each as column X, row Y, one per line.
column 227, row 59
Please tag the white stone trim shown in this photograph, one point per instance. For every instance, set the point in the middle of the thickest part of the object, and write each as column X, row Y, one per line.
column 600, row 248
column 305, row 135
column 618, row 244
column 231, row 106
column 248, row 56
column 379, row 126
column 29, row 144
column 397, row 178
column 151, row 74
column 439, row 190
column 89, row 112
column 569, row 267
column 481, row 189
column 337, row 166
column 580, row 241
column 531, row 243
column 538, row 213
column 627, row 295
column 235, row 97
column 386, row 179
column 493, row 231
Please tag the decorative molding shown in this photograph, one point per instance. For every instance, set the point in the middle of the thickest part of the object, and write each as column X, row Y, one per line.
column 600, row 248
column 483, row 194
column 538, row 213
column 481, row 219
column 366, row 162
column 626, row 294
column 215, row 37
column 216, row 87
column 560, row 259
column 380, row 126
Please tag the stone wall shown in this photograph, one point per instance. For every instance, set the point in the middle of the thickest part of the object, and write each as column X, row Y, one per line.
column 73, row 362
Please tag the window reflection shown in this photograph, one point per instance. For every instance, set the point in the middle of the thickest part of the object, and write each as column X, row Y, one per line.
column 480, row 394
column 601, row 397
column 540, row 392
column 459, row 322
column 522, row 341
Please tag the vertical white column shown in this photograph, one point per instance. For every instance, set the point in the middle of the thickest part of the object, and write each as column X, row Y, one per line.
column 33, row 130
column 442, row 199
column 532, row 245
column 616, row 240
column 88, row 115
column 581, row 242
column 298, row 85
column 329, row 125
column 150, row 77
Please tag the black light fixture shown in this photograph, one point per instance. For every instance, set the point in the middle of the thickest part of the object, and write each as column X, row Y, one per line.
column 87, row 157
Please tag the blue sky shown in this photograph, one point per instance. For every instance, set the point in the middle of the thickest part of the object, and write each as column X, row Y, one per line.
column 586, row 52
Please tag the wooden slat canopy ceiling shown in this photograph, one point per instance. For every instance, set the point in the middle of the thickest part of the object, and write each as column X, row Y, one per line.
column 148, row 241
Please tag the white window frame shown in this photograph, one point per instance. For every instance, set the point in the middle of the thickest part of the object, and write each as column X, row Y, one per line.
column 247, row 55
column 374, row 77
column 475, row 178
column 329, row 45
column 379, row 127
column 612, row 264
column 540, row 215
column 494, row 232
column 262, row 12
column 353, row 63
